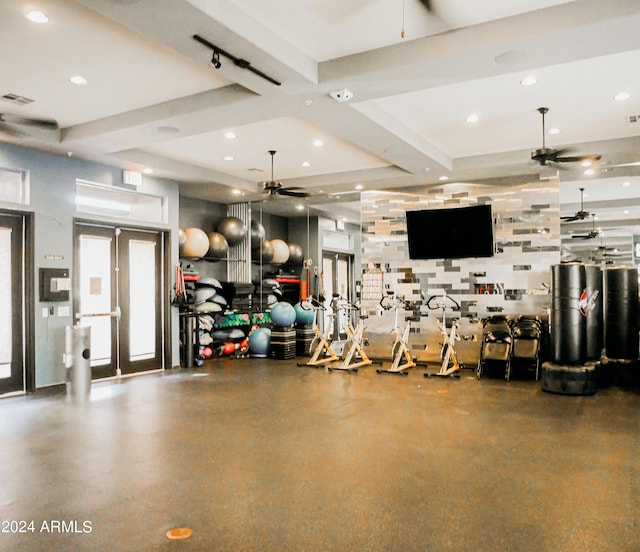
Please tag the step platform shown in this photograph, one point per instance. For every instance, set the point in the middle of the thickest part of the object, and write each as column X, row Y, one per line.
column 565, row 379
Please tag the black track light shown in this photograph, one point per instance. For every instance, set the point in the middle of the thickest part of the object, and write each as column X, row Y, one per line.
column 215, row 60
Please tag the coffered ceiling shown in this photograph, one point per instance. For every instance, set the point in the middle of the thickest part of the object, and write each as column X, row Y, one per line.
column 153, row 99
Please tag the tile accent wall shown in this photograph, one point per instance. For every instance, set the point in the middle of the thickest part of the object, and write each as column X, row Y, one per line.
column 527, row 236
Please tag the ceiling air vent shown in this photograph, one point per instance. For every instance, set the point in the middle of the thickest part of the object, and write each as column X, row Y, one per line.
column 16, row 99
column 633, row 119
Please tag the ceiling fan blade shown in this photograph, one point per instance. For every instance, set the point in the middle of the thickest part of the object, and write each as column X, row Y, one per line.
column 47, row 124
column 291, row 193
column 578, row 158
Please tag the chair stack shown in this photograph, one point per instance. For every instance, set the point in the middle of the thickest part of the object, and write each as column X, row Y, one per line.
column 526, row 333
column 495, row 350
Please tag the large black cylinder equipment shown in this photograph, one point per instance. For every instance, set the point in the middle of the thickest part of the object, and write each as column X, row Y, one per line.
column 568, row 321
column 621, row 313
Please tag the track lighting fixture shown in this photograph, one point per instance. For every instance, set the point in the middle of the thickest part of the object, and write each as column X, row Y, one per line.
column 215, row 60
column 238, row 62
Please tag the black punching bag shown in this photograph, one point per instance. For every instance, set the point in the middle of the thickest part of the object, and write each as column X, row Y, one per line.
column 595, row 323
column 621, row 313
column 568, row 322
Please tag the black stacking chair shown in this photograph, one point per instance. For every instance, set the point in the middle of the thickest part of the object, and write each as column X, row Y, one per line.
column 495, row 349
column 526, row 335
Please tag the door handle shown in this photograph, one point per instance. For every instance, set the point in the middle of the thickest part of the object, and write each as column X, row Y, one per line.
column 117, row 313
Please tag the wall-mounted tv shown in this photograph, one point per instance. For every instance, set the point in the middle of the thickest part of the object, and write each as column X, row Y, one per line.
column 454, row 233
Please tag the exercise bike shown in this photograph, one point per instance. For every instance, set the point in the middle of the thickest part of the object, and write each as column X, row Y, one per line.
column 353, row 353
column 401, row 359
column 320, row 347
column 450, row 366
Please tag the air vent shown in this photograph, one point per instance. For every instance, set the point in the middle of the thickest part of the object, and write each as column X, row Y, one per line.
column 633, row 119
column 16, row 99
column 253, row 169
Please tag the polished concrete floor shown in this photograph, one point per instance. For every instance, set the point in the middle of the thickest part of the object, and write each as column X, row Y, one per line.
column 259, row 454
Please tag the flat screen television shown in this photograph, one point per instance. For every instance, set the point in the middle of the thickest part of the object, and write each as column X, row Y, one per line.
column 454, row 233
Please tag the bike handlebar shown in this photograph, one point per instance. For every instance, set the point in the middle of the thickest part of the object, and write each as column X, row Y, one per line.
column 456, row 305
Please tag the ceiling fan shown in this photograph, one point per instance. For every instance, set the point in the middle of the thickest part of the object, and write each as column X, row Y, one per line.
column 593, row 233
column 578, row 215
column 16, row 124
column 275, row 188
column 549, row 156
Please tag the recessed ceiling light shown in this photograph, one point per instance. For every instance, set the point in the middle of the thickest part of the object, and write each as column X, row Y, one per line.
column 589, row 172
column 528, row 81
column 443, row 178
column 308, row 102
column 586, row 163
column 235, row 191
column 473, row 118
column 306, row 164
column 228, row 158
column 621, row 96
column 318, row 143
column 300, row 207
column 626, row 211
column 554, row 130
column 359, row 187
column 147, row 170
column 626, row 183
column 78, row 80
column 230, row 135
column 36, row 17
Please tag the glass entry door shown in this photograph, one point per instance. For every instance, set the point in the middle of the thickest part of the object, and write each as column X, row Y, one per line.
column 336, row 278
column 11, row 303
column 118, row 292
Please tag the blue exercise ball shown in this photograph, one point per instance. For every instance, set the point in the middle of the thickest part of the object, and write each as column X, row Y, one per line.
column 259, row 342
column 283, row 314
column 305, row 314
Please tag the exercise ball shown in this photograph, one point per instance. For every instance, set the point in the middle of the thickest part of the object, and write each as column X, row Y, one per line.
column 228, row 348
column 263, row 254
column 305, row 313
column 259, row 342
column 182, row 238
column 280, row 251
column 218, row 247
column 196, row 245
column 207, row 352
column 233, row 229
column 296, row 256
column 258, row 234
column 283, row 314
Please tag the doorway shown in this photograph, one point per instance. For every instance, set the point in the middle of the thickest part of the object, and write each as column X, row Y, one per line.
column 118, row 292
column 13, row 302
column 337, row 273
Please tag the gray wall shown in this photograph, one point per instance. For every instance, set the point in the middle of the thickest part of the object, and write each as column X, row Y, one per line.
column 52, row 202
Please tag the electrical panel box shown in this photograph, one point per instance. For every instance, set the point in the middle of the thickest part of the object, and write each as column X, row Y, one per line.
column 55, row 284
